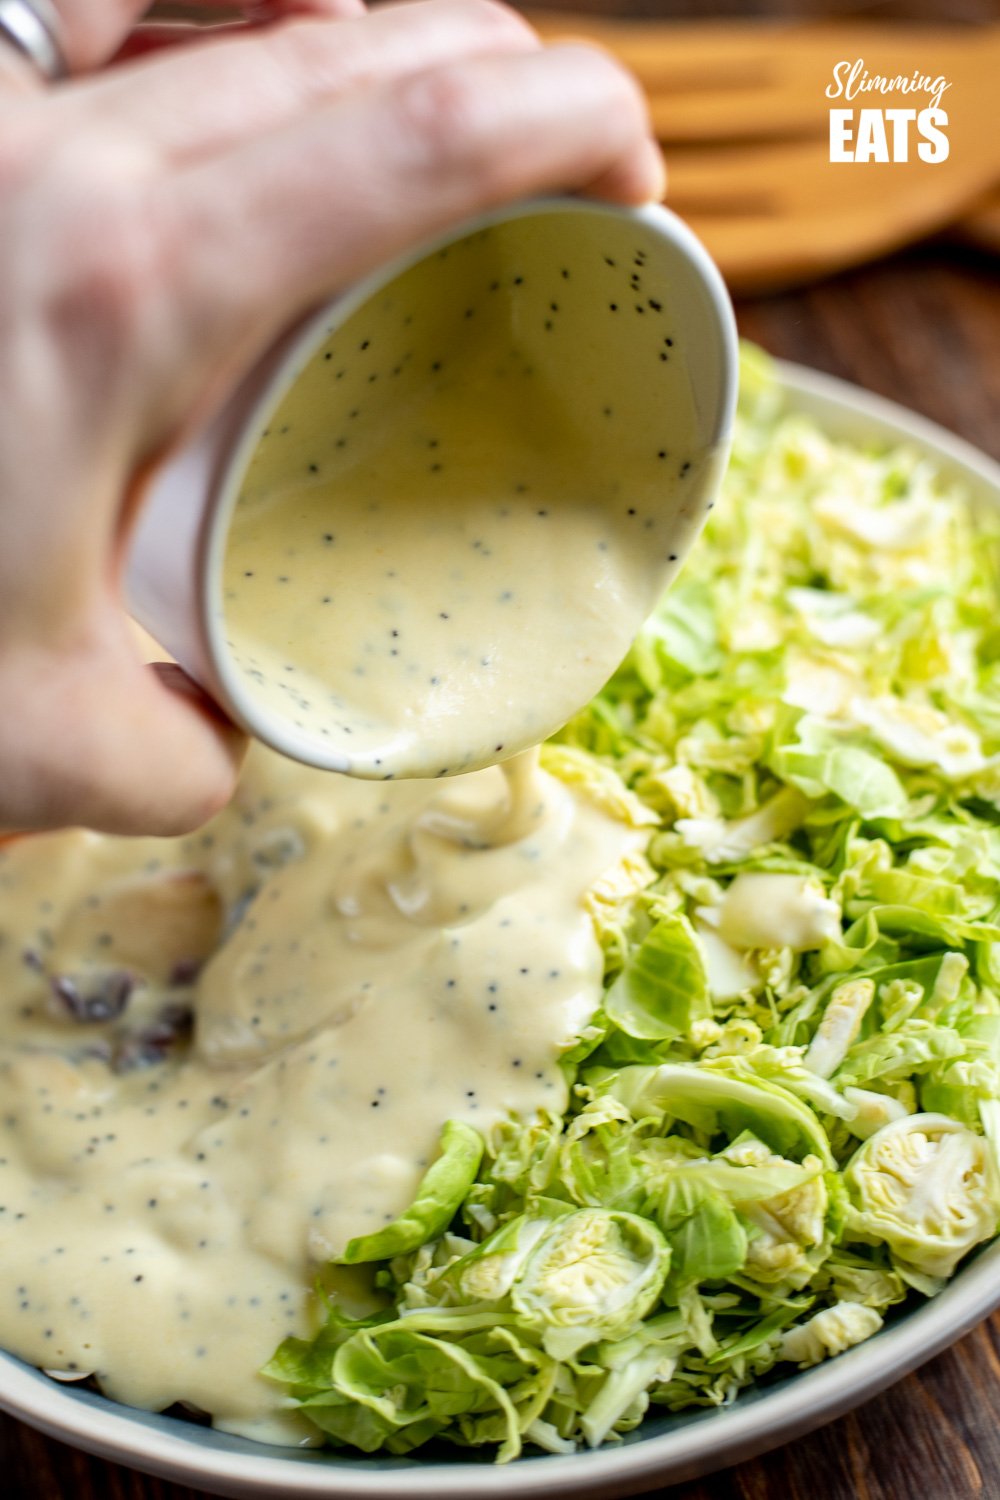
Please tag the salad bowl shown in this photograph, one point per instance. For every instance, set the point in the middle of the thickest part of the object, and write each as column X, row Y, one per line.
column 665, row 1448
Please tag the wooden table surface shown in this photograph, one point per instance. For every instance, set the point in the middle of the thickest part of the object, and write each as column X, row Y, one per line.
column 924, row 329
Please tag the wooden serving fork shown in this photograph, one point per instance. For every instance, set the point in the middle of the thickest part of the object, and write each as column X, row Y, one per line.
column 742, row 110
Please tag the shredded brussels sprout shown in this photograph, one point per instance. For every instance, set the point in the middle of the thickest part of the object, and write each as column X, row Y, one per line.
column 786, row 1113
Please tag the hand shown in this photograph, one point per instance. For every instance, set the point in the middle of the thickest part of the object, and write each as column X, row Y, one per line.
column 161, row 221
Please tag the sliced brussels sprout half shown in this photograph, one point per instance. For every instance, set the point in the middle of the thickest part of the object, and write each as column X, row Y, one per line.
column 928, row 1186
column 594, row 1275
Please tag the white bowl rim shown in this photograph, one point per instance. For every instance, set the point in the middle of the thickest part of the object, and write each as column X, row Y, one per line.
column 757, row 1420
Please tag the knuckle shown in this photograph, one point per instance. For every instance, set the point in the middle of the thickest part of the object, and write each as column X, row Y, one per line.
column 107, row 255
column 440, row 119
column 109, row 272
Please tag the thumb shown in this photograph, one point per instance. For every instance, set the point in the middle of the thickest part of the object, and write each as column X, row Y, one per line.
column 176, row 765
column 113, row 745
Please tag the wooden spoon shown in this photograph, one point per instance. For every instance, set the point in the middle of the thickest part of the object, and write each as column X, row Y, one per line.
column 742, row 110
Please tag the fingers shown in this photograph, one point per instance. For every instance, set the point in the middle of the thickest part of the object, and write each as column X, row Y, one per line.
column 108, row 743
column 242, row 83
column 275, row 10
column 18, row 74
column 91, row 31
column 169, row 36
column 638, row 178
column 303, row 210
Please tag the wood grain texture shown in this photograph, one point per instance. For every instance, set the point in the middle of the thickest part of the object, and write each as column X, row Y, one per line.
column 923, row 329
column 964, row 11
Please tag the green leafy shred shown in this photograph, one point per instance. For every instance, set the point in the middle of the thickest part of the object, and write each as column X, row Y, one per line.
column 785, row 1116
column 437, row 1201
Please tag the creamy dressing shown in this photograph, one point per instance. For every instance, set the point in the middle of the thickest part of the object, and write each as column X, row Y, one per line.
column 458, row 517
column 224, row 1056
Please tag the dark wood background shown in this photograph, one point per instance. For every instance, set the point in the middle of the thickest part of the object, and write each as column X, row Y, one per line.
column 924, row 329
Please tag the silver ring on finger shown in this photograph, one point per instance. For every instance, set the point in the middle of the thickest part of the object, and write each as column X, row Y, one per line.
column 32, row 26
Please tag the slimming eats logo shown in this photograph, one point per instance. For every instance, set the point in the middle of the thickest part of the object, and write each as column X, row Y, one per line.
column 885, row 134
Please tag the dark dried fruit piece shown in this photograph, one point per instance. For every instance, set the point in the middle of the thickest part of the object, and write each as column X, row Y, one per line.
column 185, row 971
column 104, row 1000
column 146, row 1048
